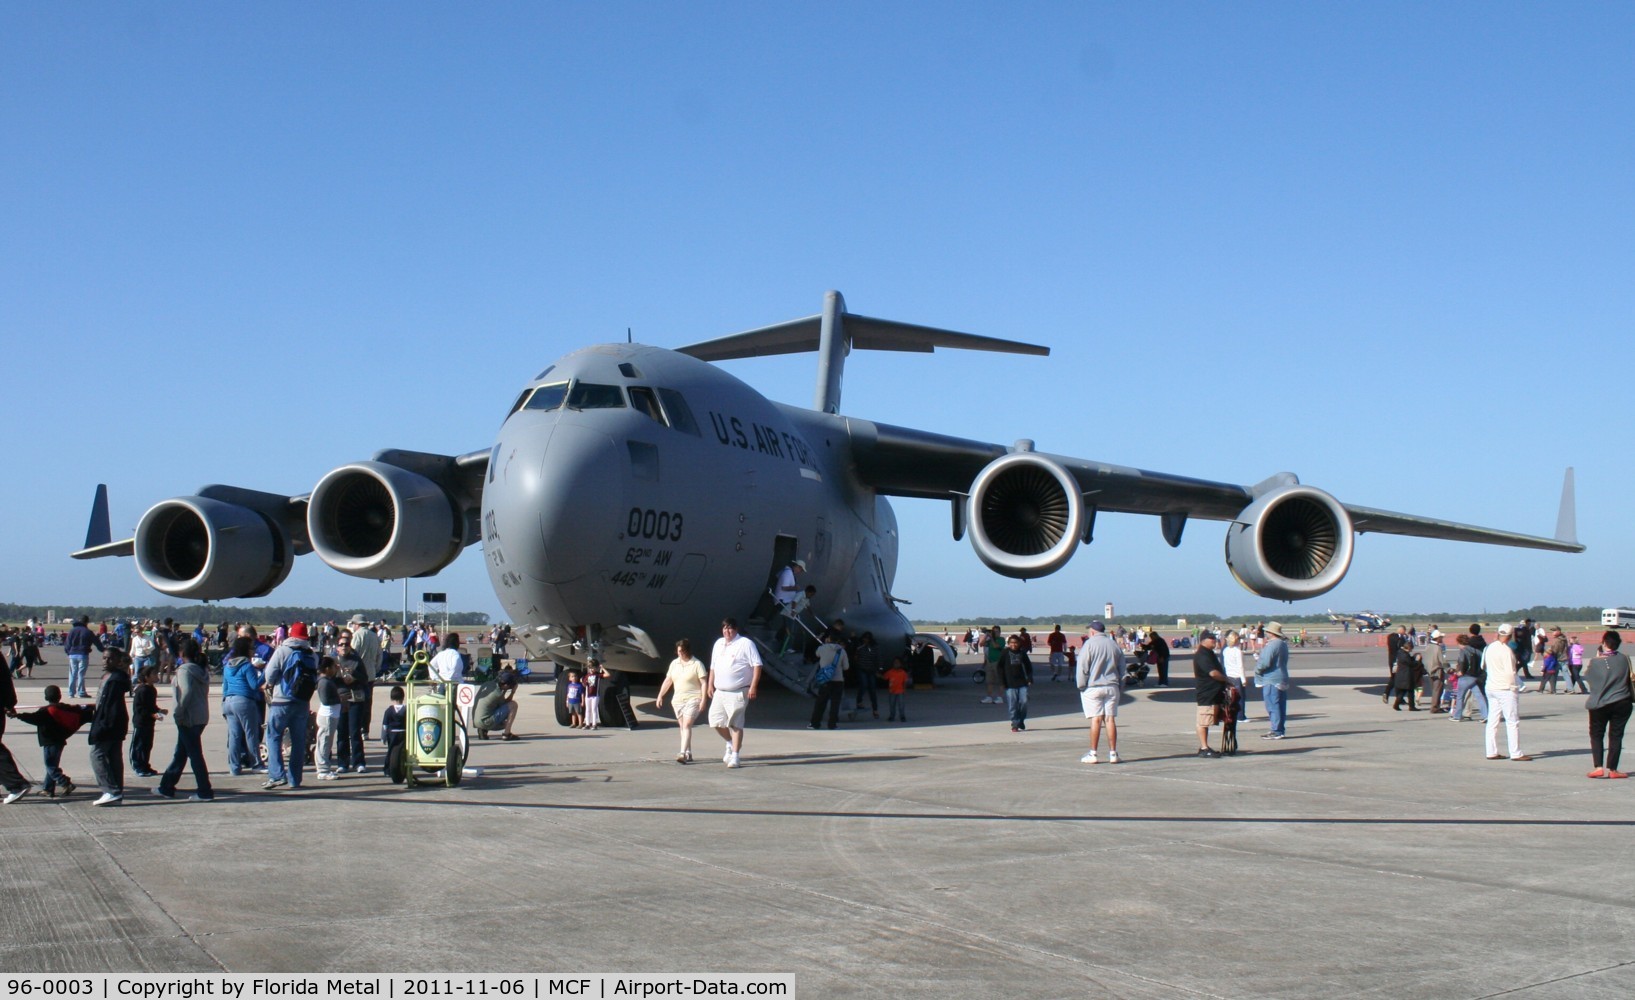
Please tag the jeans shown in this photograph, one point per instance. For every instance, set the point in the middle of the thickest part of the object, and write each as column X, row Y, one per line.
column 1506, row 707
column 1277, row 701
column 55, row 777
column 76, row 675
column 243, row 732
column 1016, row 699
column 350, row 738
column 189, row 751
column 867, row 683
column 289, row 717
column 1467, row 687
column 894, row 702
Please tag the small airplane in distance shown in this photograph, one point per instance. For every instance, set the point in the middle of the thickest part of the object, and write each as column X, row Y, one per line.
column 1362, row 621
column 637, row 495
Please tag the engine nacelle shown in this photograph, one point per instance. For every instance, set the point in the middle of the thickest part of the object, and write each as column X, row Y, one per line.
column 1025, row 515
column 208, row 550
column 1291, row 543
column 381, row 522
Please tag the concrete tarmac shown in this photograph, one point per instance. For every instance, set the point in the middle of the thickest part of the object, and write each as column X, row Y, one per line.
column 1372, row 853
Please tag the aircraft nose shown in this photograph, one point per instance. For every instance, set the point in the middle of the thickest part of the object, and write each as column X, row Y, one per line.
column 580, row 502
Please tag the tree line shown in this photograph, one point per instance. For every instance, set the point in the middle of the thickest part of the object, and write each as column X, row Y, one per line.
column 1539, row 613
column 213, row 613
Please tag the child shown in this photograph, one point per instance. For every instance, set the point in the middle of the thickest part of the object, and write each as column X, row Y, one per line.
column 576, row 701
column 145, row 711
column 394, row 723
column 329, row 718
column 56, row 722
column 593, row 693
column 896, row 680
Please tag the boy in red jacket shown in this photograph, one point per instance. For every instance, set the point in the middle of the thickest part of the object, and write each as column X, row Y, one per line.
column 55, row 723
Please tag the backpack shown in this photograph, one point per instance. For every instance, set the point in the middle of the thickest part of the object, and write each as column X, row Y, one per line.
column 300, row 676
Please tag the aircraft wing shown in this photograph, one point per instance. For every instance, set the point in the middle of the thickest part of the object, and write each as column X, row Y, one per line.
column 902, row 461
column 401, row 514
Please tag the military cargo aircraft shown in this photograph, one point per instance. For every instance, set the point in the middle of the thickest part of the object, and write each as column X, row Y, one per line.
column 636, row 495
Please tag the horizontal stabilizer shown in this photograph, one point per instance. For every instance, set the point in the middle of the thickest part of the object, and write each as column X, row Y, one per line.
column 803, row 336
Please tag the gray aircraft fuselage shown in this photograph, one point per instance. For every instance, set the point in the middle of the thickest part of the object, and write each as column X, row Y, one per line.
column 633, row 485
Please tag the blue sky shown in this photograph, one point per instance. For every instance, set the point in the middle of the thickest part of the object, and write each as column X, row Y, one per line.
column 1389, row 247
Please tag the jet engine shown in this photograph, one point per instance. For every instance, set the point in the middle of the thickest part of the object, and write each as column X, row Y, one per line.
column 382, row 522
column 208, row 550
column 1025, row 515
column 1291, row 543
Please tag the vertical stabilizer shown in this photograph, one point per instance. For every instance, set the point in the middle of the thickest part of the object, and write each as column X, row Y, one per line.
column 1567, row 517
column 833, row 346
column 98, row 531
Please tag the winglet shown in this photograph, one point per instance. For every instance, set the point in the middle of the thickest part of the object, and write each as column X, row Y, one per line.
column 1567, row 518
column 98, row 532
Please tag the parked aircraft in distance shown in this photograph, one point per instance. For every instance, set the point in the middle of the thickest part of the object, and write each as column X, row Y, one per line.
column 637, row 495
column 1362, row 621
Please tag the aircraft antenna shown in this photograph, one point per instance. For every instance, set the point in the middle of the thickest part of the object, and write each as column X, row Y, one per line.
column 627, row 336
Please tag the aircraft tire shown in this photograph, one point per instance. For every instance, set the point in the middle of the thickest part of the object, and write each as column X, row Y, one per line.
column 562, row 718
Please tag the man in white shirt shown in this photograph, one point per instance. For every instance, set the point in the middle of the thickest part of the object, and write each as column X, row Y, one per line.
column 788, row 593
column 735, row 676
column 1502, row 690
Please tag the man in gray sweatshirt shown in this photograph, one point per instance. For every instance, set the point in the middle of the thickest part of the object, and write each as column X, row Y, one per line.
column 1100, row 678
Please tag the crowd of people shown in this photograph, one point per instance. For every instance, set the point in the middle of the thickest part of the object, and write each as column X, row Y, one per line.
column 269, row 683
column 304, row 692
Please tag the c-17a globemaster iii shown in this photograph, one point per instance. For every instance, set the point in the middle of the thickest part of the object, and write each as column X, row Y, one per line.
column 637, row 495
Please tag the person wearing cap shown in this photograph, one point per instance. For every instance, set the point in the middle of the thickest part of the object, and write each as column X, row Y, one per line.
column 284, row 714
column 1100, row 679
column 1209, row 684
column 1272, row 674
column 1500, row 662
column 1436, row 669
column 788, row 594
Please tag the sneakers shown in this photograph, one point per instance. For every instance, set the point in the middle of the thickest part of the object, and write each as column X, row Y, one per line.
column 726, row 755
column 732, row 760
column 272, row 783
column 1206, row 752
column 327, row 775
column 68, row 786
column 1089, row 758
column 359, row 769
column 109, row 799
column 196, row 797
column 987, row 701
column 689, row 755
column 164, row 794
column 1112, row 757
column 19, row 793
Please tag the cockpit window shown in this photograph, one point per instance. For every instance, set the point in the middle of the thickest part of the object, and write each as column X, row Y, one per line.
column 594, row 396
column 681, row 417
column 521, row 398
column 547, row 397
column 642, row 398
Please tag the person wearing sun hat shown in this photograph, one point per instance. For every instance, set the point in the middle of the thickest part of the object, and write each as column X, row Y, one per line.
column 1272, row 674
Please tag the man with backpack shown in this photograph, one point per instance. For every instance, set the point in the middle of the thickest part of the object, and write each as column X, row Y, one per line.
column 291, row 678
column 829, row 680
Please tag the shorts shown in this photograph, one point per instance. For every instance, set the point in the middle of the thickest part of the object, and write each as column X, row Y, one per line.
column 502, row 711
column 1100, row 702
column 727, row 709
column 687, row 710
column 1208, row 715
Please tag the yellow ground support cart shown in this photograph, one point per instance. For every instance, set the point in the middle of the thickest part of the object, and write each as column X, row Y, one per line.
column 435, row 741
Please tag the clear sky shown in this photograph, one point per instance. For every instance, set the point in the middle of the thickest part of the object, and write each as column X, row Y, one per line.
column 1389, row 247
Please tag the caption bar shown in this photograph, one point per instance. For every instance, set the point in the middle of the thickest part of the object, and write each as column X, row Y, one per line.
column 243, row 986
